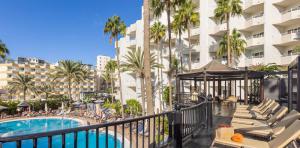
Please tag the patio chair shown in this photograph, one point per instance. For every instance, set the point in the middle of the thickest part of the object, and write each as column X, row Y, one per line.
column 259, row 116
column 270, row 121
column 266, row 131
column 258, row 109
column 282, row 140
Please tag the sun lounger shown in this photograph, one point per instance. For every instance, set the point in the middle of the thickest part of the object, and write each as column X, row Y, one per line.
column 259, row 116
column 258, row 110
column 282, row 140
column 248, row 107
column 277, row 116
column 266, row 131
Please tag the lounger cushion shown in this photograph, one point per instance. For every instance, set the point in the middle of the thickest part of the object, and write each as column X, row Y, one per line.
column 247, row 143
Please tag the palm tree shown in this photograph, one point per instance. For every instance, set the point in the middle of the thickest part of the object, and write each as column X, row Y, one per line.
column 22, row 83
column 157, row 33
column 158, row 7
column 116, row 27
column 226, row 9
column 111, row 67
column 238, row 45
column 106, row 76
column 46, row 90
column 178, row 28
column 3, row 50
column 135, row 63
column 10, row 90
column 71, row 72
column 190, row 17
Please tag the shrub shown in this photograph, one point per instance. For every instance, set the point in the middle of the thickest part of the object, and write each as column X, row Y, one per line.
column 116, row 106
column 133, row 107
column 11, row 107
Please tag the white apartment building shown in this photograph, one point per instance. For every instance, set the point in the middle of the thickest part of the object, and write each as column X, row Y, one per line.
column 101, row 63
column 40, row 71
column 271, row 29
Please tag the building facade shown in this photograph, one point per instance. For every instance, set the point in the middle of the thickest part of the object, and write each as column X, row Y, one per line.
column 40, row 71
column 271, row 29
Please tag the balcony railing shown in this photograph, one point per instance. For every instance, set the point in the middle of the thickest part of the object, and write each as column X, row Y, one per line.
column 290, row 15
column 254, row 21
column 145, row 131
column 290, row 37
column 250, row 3
column 255, row 41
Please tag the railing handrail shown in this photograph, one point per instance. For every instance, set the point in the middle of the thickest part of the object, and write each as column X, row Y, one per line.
column 194, row 106
column 77, row 129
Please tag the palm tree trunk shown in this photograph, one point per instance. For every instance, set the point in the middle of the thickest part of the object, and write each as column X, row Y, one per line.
column 190, row 50
column 170, row 53
column 147, row 68
column 143, row 94
column 69, row 87
column 181, row 50
column 24, row 94
column 119, row 76
column 158, row 80
column 112, row 88
column 228, row 40
column 161, row 71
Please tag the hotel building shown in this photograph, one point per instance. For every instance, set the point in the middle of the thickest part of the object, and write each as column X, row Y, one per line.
column 40, row 70
column 271, row 29
column 100, row 69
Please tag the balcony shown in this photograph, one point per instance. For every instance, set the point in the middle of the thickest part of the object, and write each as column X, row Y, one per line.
column 131, row 29
column 284, row 3
column 290, row 18
column 289, row 39
column 214, row 47
column 195, row 31
column 286, row 60
column 253, row 23
column 254, row 60
column 254, row 42
column 219, row 30
column 131, row 44
column 252, row 6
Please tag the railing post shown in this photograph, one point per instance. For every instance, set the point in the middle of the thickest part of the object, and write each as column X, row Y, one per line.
column 177, row 128
column 209, row 112
column 170, row 126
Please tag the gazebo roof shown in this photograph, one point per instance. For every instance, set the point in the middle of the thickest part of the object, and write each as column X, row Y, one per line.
column 217, row 69
column 23, row 104
column 214, row 66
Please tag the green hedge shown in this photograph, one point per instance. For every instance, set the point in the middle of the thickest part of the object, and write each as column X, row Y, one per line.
column 35, row 105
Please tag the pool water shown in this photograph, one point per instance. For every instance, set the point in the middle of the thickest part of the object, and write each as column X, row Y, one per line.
column 29, row 126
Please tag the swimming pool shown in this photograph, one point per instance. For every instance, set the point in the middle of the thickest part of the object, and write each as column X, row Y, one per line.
column 35, row 125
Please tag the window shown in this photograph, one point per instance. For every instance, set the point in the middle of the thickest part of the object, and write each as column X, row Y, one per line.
column 258, row 35
column 290, row 52
column 258, row 54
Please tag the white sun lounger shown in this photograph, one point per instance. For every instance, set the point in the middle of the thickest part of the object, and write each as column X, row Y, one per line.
column 281, row 141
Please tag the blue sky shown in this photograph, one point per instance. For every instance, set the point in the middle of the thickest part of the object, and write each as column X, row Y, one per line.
column 62, row 29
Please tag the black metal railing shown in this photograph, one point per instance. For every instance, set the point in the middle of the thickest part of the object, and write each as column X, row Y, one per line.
column 148, row 131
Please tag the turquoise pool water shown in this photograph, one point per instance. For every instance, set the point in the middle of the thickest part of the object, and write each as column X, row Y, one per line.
column 28, row 126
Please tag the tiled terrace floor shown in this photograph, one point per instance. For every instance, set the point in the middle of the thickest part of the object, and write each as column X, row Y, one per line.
column 222, row 115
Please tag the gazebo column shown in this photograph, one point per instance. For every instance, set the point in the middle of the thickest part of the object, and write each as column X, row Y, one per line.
column 262, row 89
column 205, row 83
column 230, row 88
column 290, row 89
column 235, row 88
column 246, row 86
column 214, row 88
column 298, row 84
column 225, row 95
column 178, row 89
column 195, row 85
column 219, row 87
